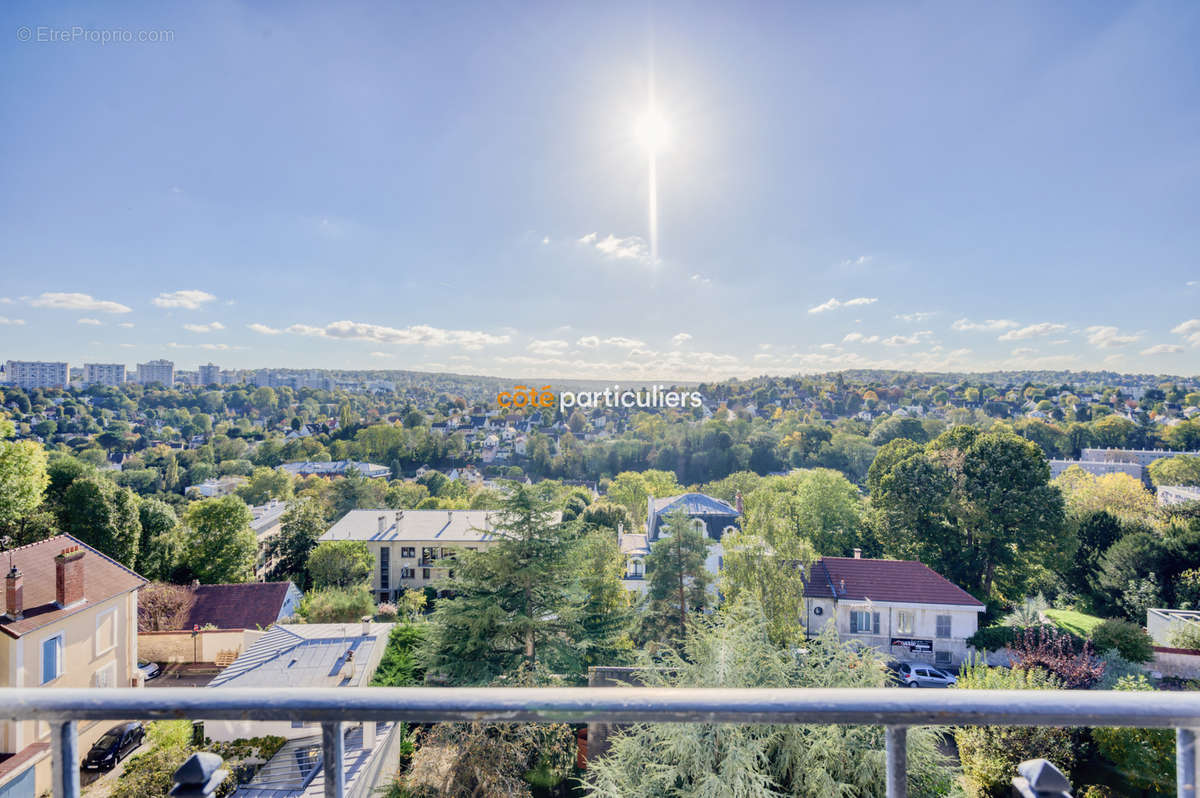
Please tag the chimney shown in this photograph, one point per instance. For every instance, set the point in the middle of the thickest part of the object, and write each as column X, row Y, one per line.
column 14, row 594
column 857, row 553
column 738, row 502
column 68, row 576
column 382, row 524
column 366, row 626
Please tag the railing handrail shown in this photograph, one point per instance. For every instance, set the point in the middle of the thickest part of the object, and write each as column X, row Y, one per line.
column 893, row 707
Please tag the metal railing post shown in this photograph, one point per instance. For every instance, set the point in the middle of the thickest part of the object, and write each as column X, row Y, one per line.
column 1185, row 763
column 896, row 751
column 333, row 752
column 64, row 746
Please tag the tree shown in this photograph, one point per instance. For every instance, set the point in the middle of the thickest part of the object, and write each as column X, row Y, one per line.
column 23, row 479
column 1119, row 495
column 158, row 551
column 412, row 604
column 976, row 507
column 512, row 602
column 104, row 517
column 163, row 607
column 1182, row 469
column 340, row 563
column 266, row 484
column 218, row 545
column 605, row 617
column 772, row 575
column 287, row 552
column 1144, row 756
column 609, row 515
column 677, row 579
column 633, row 488
column 733, row 649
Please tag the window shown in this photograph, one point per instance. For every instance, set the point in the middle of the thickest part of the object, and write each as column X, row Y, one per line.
column 943, row 626
column 941, row 658
column 424, row 573
column 864, row 622
column 408, row 551
column 52, row 658
column 904, row 622
column 407, row 573
column 385, row 558
column 106, row 676
column 699, row 525
column 106, row 631
column 637, row 568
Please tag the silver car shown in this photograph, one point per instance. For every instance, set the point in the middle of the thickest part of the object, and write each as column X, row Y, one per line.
column 920, row 674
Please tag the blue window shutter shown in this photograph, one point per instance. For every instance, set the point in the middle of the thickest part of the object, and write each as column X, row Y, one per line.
column 854, row 623
column 875, row 622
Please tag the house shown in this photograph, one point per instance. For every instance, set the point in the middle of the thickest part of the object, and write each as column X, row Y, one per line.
column 220, row 622
column 69, row 620
column 303, row 656
column 901, row 607
column 336, row 468
column 634, row 549
column 221, row 486
column 707, row 514
column 413, row 548
column 1171, row 495
column 267, row 521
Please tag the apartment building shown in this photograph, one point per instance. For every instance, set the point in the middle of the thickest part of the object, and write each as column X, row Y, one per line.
column 69, row 620
column 413, row 548
column 902, row 608
column 1142, row 457
column 1099, row 468
column 209, row 374
column 30, row 374
column 112, row 374
column 161, row 371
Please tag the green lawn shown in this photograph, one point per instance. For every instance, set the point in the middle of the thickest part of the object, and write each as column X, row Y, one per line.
column 1076, row 623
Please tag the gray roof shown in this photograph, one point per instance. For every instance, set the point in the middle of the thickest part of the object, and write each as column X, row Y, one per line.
column 307, row 655
column 693, row 504
column 450, row 526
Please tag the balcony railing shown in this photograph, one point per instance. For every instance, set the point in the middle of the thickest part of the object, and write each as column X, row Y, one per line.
column 333, row 707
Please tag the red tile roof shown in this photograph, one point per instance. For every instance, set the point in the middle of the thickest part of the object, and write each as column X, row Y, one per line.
column 883, row 580
column 253, row 605
column 103, row 578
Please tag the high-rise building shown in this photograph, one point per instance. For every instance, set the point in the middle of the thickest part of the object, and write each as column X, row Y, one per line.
column 210, row 374
column 157, row 371
column 37, row 374
column 103, row 373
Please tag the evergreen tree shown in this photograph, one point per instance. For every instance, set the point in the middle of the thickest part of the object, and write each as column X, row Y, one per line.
column 677, row 581
column 606, row 617
column 512, row 602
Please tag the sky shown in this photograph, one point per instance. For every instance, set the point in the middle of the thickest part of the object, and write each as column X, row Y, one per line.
column 462, row 187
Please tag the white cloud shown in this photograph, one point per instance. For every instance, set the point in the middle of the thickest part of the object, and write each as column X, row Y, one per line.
column 1105, row 337
column 126, row 324
column 966, row 325
column 861, row 260
column 7, row 322
column 549, row 348
column 624, row 343
column 71, row 301
column 204, row 328
column 1192, row 283
column 1024, row 351
column 834, row 304
column 630, row 248
column 588, row 341
column 417, row 334
column 91, row 322
column 919, row 316
column 907, row 340
column 189, row 299
column 382, row 354
column 546, row 240
column 700, row 279
column 679, row 339
column 860, row 338
column 5, row 300
column 128, row 346
column 1163, row 349
column 1042, row 328
column 264, row 329
column 1190, row 330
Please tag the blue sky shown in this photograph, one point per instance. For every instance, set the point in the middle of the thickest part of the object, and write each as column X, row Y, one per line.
column 458, row 187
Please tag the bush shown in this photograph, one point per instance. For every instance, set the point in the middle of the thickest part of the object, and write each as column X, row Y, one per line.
column 1144, row 756
column 337, row 605
column 1116, row 668
column 386, row 612
column 990, row 754
column 1125, row 637
column 1059, row 653
column 993, row 638
column 1187, row 637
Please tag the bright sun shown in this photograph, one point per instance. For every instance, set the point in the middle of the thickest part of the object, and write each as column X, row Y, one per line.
column 652, row 131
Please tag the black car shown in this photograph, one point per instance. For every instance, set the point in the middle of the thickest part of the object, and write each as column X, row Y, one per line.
column 112, row 747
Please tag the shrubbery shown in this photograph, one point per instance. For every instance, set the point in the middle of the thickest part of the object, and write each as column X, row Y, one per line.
column 1144, row 756
column 399, row 666
column 337, row 605
column 1125, row 637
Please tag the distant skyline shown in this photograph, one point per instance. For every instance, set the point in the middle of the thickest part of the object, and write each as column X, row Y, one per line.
column 462, row 188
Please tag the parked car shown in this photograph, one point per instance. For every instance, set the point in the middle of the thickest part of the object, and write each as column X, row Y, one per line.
column 920, row 674
column 114, row 745
column 149, row 669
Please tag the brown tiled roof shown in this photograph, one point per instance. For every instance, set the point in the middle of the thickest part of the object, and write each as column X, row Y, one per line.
column 883, row 580
column 253, row 605
column 103, row 578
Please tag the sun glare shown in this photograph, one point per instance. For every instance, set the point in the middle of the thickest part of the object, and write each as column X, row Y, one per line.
column 652, row 131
